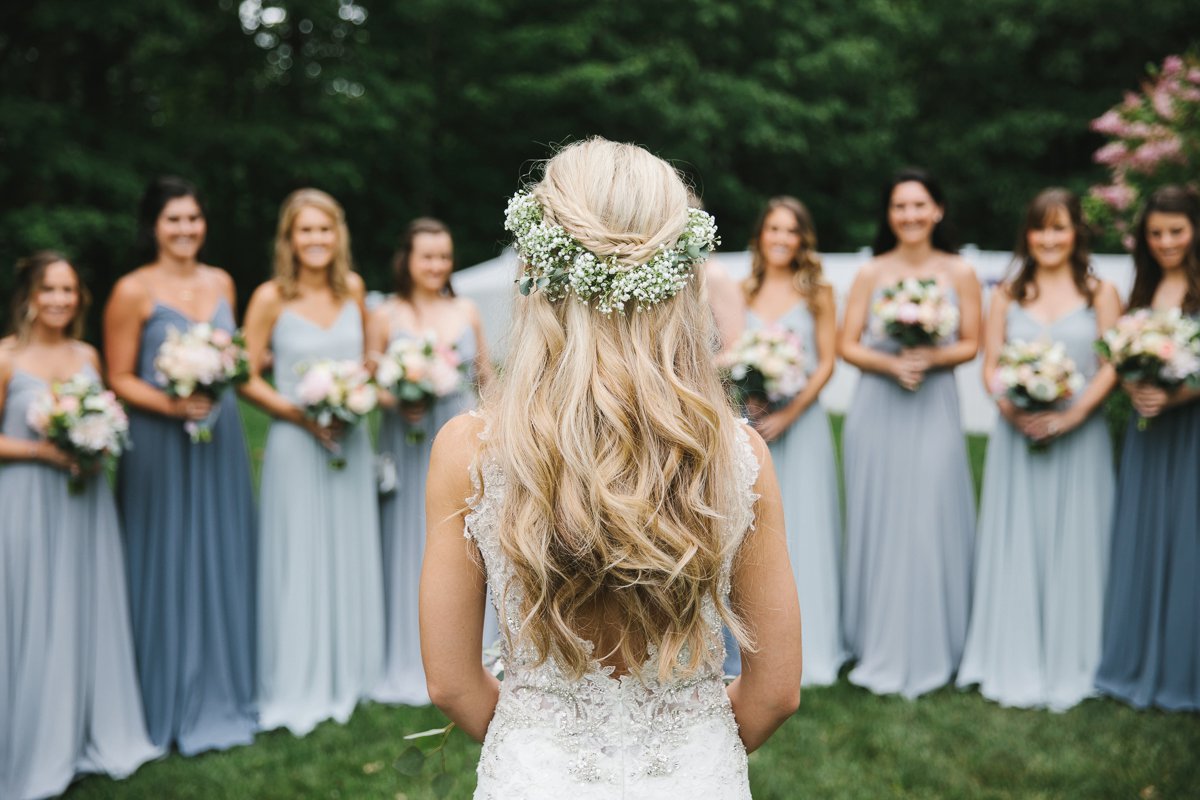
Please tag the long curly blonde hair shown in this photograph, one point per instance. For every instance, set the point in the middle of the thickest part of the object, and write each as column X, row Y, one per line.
column 615, row 437
column 287, row 268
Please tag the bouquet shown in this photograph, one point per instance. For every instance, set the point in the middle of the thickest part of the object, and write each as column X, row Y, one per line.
column 82, row 418
column 915, row 312
column 418, row 371
column 1036, row 376
column 1156, row 347
column 336, row 390
column 201, row 359
column 764, row 365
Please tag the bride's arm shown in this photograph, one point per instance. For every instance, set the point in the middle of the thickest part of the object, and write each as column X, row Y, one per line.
column 454, row 588
column 764, row 595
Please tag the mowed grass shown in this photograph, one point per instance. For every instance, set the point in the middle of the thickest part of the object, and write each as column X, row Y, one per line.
column 843, row 743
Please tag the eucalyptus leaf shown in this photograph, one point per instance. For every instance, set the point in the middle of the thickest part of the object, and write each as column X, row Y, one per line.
column 410, row 761
column 442, row 784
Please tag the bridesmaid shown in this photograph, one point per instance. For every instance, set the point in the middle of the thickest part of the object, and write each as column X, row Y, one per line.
column 69, row 700
column 786, row 289
column 1151, row 651
column 320, row 635
column 1034, row 637
column 187, row 509
column 424, row 303
column 910, row 518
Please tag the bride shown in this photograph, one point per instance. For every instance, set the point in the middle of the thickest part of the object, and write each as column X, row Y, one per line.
column 622, row 513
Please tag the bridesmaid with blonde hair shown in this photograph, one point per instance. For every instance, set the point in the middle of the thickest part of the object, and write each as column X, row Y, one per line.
column 320, row 640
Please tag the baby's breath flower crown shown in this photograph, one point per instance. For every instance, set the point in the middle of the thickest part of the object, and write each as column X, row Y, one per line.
column 557, row 264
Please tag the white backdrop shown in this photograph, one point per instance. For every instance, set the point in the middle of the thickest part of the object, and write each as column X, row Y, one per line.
column 491, row 285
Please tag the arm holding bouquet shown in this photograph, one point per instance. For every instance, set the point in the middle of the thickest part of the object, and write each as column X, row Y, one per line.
column 1046, row 425
column 15, row 449
column 824, row 312
column 127, row 311
column 266, row 304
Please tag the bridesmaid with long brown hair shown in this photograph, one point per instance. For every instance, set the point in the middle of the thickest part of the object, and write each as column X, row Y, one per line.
column 69, row 699
column 1151, row 654
column 787, row 290
column 424, row 305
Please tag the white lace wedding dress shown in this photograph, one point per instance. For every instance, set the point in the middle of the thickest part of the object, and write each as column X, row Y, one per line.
column 600, row 736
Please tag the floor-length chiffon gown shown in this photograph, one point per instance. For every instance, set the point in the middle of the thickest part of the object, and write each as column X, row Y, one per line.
column 187, row 511
column 69, row 698
column 320, row 578
column 1042, row 558
column 1151, row 650
column 807, row 471
column 910, row 529
column 402, row 523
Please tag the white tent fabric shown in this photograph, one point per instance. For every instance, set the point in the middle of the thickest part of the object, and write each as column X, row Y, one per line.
column 491, row 285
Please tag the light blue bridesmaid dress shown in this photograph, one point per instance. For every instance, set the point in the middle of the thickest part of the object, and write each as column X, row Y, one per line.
column 187, row 511
column 69, row 699
column 320, row 636
column 1042, row 560
column 910, row 529
column 402, row 518
column 1151, row 650
column 807, row 472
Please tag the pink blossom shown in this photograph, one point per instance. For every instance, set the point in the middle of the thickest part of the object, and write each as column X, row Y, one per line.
column 68, row 404
column 1110, row 122
column 1128, row 242
column 908, row 313
column 221, row 338
column 315, row 386
column 1149, row 155
column 1118, row 196
column 1132, row 101
column 1111, row 153
column 1193, row 75
column 1172, row 65
column 1164, row 105
column 1166, row 350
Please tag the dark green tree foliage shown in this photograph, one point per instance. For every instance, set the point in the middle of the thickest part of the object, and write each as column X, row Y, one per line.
column 440, row 106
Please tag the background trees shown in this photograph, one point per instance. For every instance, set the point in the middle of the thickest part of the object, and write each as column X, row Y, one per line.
column 438, row 106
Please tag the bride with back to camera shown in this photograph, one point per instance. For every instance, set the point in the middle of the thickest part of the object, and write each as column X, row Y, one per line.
column 622, row 513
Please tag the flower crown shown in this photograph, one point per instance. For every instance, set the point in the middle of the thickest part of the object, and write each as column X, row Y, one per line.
column 557, row 264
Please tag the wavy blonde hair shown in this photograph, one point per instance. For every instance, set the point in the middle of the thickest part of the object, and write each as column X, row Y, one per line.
column 615, row 437
column 807, row 273
column 287, row 267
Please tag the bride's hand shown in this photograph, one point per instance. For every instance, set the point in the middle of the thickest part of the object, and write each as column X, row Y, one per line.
column 771, row 426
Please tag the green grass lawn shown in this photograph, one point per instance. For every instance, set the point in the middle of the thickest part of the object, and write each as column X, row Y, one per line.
column 843, row 743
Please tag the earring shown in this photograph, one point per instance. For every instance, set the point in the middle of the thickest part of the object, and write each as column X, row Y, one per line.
column 937, row 219
column 30, row 313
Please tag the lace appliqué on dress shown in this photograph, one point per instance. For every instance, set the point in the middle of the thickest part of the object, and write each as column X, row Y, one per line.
column 554, row 736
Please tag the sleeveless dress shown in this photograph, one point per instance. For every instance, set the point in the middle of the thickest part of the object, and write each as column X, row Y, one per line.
column 804, row 461
column 601, row 737
column 910, row 529
column 190, row 542
column 402, row 522
column 320, row 638
column 1034, row 637
column 69, row 699
column 1151, row 650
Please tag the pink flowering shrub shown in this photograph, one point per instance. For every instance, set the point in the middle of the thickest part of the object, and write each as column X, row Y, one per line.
column 1154, row 140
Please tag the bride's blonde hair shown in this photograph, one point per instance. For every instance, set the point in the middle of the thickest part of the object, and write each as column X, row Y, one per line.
column 615, row 436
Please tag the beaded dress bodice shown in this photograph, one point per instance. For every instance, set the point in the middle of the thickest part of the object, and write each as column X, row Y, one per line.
column 601, row 736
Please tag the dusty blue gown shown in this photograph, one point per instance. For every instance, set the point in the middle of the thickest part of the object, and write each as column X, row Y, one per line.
column 187, row 511
column 1151, row 650
column 320, row 580
column 910, row 530
column 807, row 472
column 69, row 699
column 402, row 522
column 1034, row 637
